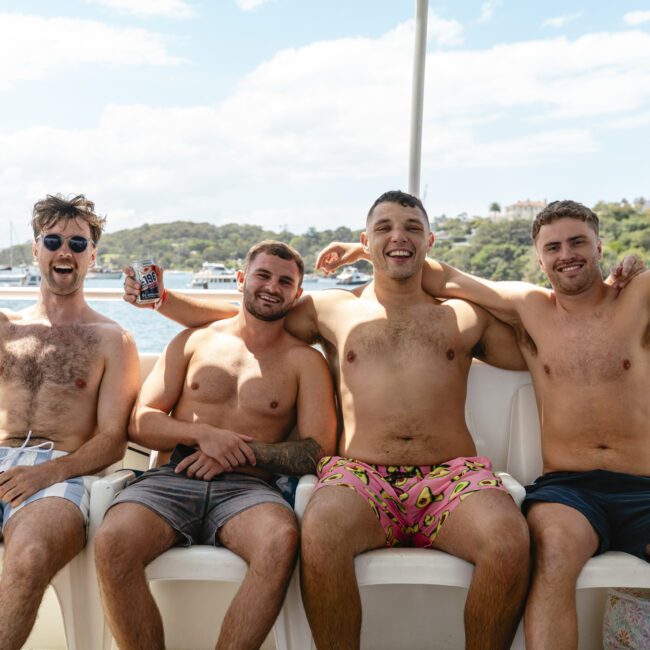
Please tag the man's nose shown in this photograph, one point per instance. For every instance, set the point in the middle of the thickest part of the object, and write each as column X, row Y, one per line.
column 565, row 250
column 273, row 285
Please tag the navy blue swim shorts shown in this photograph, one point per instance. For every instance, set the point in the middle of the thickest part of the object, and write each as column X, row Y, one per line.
column 616, row 505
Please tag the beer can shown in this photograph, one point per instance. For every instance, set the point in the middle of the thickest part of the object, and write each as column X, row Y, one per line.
column 145, row 274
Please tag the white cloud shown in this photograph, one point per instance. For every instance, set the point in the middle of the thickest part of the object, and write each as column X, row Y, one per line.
column 630, row 121
column 251, row 5
column 32, row 47
column 444, row 32
column 561, row 21
column 597, row 74
column 636, row 17
column 335, row 114
column 525, row 151
column 148, row 8
column 487, row 10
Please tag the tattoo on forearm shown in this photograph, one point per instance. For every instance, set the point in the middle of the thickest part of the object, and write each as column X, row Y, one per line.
column 295, row 457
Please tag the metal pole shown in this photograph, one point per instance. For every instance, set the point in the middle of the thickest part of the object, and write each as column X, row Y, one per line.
column 417, row 97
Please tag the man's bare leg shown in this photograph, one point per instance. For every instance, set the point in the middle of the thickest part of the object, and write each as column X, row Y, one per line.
column 488, row 530
column 338, row 525
column 131, row 537
column 266, row 536
column 563, row 540
column 40, row 539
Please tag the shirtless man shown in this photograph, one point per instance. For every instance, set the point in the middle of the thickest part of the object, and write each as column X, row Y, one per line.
column 68, row 379
column 235, row 389
column 401, row 360
column 587, row 346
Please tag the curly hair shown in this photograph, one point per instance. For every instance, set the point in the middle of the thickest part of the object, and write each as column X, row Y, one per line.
column 52, row 209
column 564, row 210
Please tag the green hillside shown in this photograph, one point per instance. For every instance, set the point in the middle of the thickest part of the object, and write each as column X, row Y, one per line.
column 500, row 250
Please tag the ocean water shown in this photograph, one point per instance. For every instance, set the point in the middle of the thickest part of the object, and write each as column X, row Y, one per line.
column 151, row 331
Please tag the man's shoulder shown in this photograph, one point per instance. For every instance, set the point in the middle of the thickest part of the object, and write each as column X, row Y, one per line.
column 104, row 326
column 302, row 357
column 639, row 283
column 11, row 316
column 332, row 297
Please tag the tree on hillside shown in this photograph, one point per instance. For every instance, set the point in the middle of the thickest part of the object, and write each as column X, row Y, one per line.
column 495, row 209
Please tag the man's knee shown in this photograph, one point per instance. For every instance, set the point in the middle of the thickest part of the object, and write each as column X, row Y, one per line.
column 333, row 513
column 32, row 565
column 560, row 547
column 505, row 543
column 280, row 543
column 113, row 552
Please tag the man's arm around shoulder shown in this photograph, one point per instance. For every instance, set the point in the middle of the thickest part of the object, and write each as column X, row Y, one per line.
column 505, row 300
column 313, row 314
column 315, row 420
column 499, row 345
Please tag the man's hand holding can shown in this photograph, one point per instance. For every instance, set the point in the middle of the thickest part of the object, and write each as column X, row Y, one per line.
column 143, row 284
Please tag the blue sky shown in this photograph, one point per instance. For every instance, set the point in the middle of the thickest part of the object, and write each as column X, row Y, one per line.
column 296, row 113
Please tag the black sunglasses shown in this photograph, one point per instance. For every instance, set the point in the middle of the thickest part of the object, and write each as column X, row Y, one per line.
column 77, row 243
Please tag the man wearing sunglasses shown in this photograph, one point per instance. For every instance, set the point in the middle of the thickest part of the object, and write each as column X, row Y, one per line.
column 68, row 379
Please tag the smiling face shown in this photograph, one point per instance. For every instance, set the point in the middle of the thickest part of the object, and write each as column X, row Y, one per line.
column 568, row 251
column 270, row 286
column 62, row 270
column 397, row 238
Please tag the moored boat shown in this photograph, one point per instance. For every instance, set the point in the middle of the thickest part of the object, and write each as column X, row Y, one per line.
column 103, row 273
column 352, row 275
column 214, row 275
column 20, row 276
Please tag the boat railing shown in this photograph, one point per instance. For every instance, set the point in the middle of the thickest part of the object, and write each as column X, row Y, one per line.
column 91, row 293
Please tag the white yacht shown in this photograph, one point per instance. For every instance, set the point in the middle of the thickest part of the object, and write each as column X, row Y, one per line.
column 352, row 275
column 214, row 275
column 20, row 276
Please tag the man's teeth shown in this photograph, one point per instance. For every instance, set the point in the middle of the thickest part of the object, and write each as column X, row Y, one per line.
column 575, row 267
column 399, row 254
column 63, row 269
column 265, row 296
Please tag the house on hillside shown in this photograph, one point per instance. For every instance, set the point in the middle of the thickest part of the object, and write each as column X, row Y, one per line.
column 522, row 210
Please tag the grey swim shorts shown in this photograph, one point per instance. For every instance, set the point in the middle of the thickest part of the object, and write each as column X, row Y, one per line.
column 198, row 509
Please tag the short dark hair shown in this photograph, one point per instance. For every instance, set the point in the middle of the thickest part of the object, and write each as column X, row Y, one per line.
column 277, row 248
column 564, row 210
column 402, row 198
column 52, row 209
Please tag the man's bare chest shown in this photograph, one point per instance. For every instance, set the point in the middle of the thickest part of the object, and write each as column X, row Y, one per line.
column 428, row 334
column 242, row 382
column 61, row 358
column 600, row 349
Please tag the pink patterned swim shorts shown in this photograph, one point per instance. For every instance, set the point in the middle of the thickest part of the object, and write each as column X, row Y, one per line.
column 411, row 502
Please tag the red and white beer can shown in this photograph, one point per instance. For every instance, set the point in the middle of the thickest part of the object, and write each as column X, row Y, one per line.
column 145, row 274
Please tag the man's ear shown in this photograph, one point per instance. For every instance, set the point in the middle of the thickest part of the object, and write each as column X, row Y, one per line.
column 35, row 250
column 431, row 241
column 600, row 249
column 364, row 241
column 93, row 257
column 240, row 281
